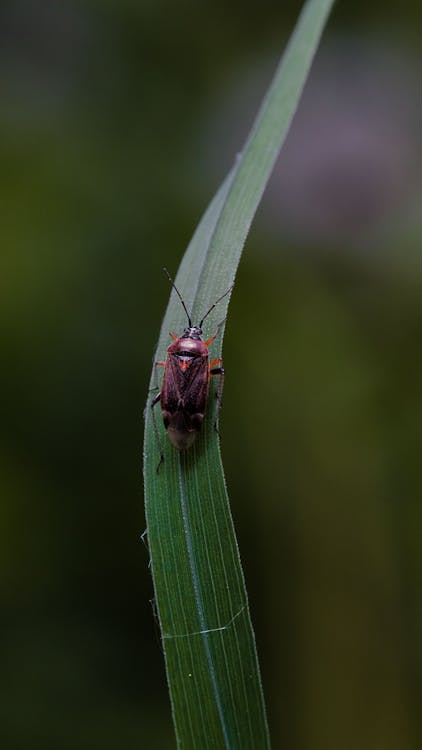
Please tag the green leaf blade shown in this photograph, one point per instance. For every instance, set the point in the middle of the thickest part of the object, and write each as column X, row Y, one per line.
column 209, row 644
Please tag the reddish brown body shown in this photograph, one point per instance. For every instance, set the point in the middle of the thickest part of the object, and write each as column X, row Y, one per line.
column 185, row 386
column 186, row 380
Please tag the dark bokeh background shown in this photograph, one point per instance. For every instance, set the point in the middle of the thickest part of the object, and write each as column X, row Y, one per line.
column 118, row 120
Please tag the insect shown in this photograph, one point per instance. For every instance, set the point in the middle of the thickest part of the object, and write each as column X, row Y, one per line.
column 185, row 386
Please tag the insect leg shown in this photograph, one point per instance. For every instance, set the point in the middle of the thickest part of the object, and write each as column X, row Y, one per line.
column 216, row 370
column 155, row 401
column 156, row 364
column 209, row 341
column 219, row 392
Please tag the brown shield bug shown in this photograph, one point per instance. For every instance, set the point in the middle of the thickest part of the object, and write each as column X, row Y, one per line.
column 185, row 386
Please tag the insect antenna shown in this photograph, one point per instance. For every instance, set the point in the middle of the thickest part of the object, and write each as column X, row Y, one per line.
column 179, row 295
column 216, row 303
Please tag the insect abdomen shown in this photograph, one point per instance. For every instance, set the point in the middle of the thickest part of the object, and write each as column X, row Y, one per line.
column 182, row 427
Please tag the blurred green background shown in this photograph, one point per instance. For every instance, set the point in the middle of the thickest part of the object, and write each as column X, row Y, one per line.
column 118, row 121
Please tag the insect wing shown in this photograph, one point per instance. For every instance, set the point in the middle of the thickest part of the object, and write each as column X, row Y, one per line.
column 196, row 386
column 172, row 386
column 185, row 389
